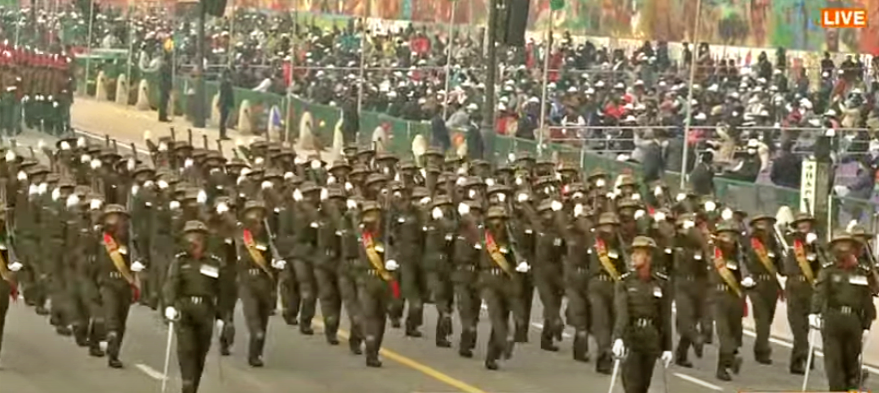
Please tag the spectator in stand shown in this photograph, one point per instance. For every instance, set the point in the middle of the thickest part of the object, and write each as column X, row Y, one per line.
column 702, row 176
column 227, row 103
column 787, row 167
column 861, row 190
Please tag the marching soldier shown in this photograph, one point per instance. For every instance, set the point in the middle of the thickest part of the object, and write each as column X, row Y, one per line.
column 257, row 271
column 376, row 286
column 801, row 267
column 843, row 309
column 606, row 266
column 408, row 245
column 690, row 280
column 8, row 267
column 729, row 277
column 113, row 273
column 548, row 272
column 329, row 258
column 643, row 319
column 764, row 263
column 305, row 231
column 468, row 245
column 199, row 292
column 576, row 272
column 501, row 283
column 439, row 247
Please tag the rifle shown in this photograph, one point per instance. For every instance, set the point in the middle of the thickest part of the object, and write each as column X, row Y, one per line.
column 275, row 254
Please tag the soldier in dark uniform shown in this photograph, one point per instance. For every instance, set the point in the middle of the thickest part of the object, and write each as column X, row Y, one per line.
column 466, row 257
column 376, row 286
column 801, row 267
column 843, row 309
column 165, row 86
column 439, row 245
column 199, row 292
column 729, row 277
column 606, row 266
column 82, row 243
column 548, row 272
column 328, row 259
column 576, row 274
column 8, row 267
column 408, row 245
column 306, row 223
column 764, row 262
column 690, row 279
column 113, row 272
column 501, row 285
column 643, row 318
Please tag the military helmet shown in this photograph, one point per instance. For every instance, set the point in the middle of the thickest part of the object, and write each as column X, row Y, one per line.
column 440, row 201
column 858, row 230
column 433, row 152
column 843, row 237
column 727, row 226
column 608, row 218
column 420, row 192
column 195, row 226
column 497, row 212
column 308, row 186
column 340, row 165
column 801, row 217
column 375, row 178
column 761, row 217
column 254, row 205
column 643, row 242
column 114, row 209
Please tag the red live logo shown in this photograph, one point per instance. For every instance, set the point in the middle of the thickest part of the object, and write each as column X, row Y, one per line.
column 843, row 18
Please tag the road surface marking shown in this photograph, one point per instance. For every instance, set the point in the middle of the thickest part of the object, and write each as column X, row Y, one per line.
column 818, row 352
column 151, row 372
column 420, row 367
column 698, row 381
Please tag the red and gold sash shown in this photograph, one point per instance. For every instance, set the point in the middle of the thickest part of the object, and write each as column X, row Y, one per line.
column 121, row 266
column 601, row 249
column 725, row 273
column 255, row 253
column 378, row 264
column 496, row 255
column 763, row 255
column 803, row 261
column 6, row 275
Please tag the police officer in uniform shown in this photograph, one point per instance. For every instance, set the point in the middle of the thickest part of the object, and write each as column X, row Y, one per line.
column 198, row 292
column 843, row 309
column 643, row 318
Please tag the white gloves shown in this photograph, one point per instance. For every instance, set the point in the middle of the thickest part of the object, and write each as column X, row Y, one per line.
column 315, row 164
column 680, row 197
column 501, row 197
column 815, row 321
column 710, row 206
column 555, row 206
column 618, row 348
column 463, row 209
column 688, row 224
column 174, row 205
column 324, row 194
column 657, row 191
column 162, row 184
column 10, row 156
column 202, row 197
column 135, row 189
column 15, row 266
column 523, row 267
column 95, row 164
column 220, row 325
column 391, row 265
column 811, row 237
column 522, row 197
column 348, row 186
column 188, row 163
column 748, row 282
column 352, row 204
column 95, row 204
column 279, row 264
column 639, row 214
column 578, row 210
column 436, row 213
column 56, row 194
column 659, row 216
column 222, row 208
column 726, row 214
column 666, row 358
column 599, row 183
column 42, row 188
column 22, row 176
column 137, row 267
column 72, row 200
column 171, row 313
column 266, row 185
column 424, row 201
column 297, row 195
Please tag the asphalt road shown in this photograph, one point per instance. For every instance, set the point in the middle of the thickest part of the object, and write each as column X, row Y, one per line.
column 36, row 360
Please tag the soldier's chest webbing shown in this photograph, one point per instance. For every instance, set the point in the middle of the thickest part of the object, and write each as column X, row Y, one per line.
column 644, row 298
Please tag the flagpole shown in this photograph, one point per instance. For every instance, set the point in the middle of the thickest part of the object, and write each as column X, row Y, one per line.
column 130, row 47
column 543, row 105
column 231, row 49
column 689, row 118
column 449, row 57
column 88, row 60
column 361, row 82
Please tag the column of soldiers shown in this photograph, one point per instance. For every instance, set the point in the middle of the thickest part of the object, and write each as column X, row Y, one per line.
column 36, row 91
column 190, row 232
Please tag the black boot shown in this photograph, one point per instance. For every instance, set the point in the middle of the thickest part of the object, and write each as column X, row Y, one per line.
column 521, row 334
column 491, row 358
column 723, row 364
column 699, row 346
column 372, row 359
column 331, row 329
column 581, row 346
column 547, row 342
column 113, row 347
column 443, row 327
column 465, row 348
column 254, row 355
column 412, row 330
column 682, row 353
column 80, row 334
column 604, row 365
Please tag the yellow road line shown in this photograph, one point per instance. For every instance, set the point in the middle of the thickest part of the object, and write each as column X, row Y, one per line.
column 420, row 367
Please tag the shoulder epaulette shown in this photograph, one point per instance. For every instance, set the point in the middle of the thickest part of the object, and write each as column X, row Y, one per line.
column 660, row 276
column 625, row 276
column 181, row 254
column 827, row 264
column 216, row 258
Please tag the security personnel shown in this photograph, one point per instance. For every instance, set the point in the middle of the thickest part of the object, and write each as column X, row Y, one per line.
column 257, row 272
column 764, row 262
column 199, row 290
column 729, row 277
column 801, row 268
column 114, row 274
column 843, row 309
column 376, row 286
column 501, row 284
column 8, row 285
column 643, row 318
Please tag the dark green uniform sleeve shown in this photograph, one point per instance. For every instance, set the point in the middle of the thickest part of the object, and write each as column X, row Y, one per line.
column 621, row 303
column 172, row 283
column 665, row 316
column 227, row 291
column 819, row 298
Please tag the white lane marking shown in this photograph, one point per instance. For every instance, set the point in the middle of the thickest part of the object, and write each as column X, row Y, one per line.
column 99, row 137
column 698, row 381
column 151, row 372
